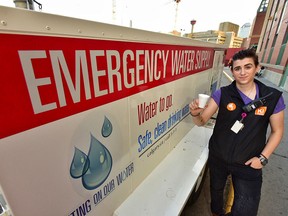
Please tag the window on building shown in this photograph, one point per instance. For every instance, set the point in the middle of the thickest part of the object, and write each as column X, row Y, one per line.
column 274, row 22
column 263, row 6
column 282, row 48
column 282, row 16
column 274, row 40
column 284, row 41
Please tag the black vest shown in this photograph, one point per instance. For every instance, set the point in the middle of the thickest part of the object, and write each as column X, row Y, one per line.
column 250, row 140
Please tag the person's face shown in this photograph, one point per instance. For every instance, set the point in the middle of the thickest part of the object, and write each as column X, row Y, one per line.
column 244, row 70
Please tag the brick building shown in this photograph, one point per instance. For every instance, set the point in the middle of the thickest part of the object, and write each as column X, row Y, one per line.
column 272, row 45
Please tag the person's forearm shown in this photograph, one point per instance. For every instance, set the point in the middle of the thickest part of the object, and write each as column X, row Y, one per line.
column 201, row 115
column 198, row 120
column 273, row 142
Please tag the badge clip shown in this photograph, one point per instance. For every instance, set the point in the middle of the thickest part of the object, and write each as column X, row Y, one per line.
column 238, row 125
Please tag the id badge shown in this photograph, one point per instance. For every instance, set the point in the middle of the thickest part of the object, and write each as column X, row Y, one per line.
column 237, row 126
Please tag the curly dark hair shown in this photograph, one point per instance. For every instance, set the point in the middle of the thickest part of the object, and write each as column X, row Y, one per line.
column 247, row 53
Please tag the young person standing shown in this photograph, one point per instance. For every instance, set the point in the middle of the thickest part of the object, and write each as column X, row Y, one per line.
column 238, row 145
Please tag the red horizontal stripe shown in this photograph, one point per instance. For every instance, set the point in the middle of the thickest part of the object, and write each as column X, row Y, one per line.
column 38, row 75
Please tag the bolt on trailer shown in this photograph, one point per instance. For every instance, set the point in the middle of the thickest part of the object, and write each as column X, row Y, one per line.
column 95, row 117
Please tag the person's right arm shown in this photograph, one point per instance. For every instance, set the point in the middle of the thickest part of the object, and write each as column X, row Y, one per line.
column 202, row 115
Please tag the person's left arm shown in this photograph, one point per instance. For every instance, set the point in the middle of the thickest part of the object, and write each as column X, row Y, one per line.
column 274, row 139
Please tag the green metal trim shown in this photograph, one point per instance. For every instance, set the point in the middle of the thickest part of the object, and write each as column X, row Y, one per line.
column 280, row 55
column 270, row 55
column 284, row 77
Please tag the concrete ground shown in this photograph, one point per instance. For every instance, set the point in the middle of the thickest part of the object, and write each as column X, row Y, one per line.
column 274, row 199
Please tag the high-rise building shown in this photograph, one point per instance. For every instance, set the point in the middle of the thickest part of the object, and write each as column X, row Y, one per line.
column 226, row 35
column 258, row 24
column 245, row 30
column 272, row 46
column 229, row 27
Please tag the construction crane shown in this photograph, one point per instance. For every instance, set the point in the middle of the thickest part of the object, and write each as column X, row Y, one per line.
column 114, row 11
column 176, row 11
column 176, row 14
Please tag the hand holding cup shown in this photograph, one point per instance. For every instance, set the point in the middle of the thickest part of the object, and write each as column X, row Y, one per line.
column 198, row 104
column 203, row 99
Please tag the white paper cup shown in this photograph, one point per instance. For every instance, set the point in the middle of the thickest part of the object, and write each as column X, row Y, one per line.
column 203, row 99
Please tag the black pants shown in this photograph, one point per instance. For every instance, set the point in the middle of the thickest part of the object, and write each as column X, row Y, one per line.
column 247, row 184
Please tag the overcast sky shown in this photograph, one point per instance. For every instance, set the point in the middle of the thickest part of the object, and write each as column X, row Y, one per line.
column 155, row 15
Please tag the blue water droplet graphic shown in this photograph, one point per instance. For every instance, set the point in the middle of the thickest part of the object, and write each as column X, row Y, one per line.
column 100, row 165
column 106, row 127
column 80, row 164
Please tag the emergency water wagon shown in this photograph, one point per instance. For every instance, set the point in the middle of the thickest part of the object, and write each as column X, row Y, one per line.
column 95, row 117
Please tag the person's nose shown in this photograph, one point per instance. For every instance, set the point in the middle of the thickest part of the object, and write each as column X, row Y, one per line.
column 242, row 71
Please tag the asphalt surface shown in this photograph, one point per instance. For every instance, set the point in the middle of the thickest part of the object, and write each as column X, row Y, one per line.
column 274, row 198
